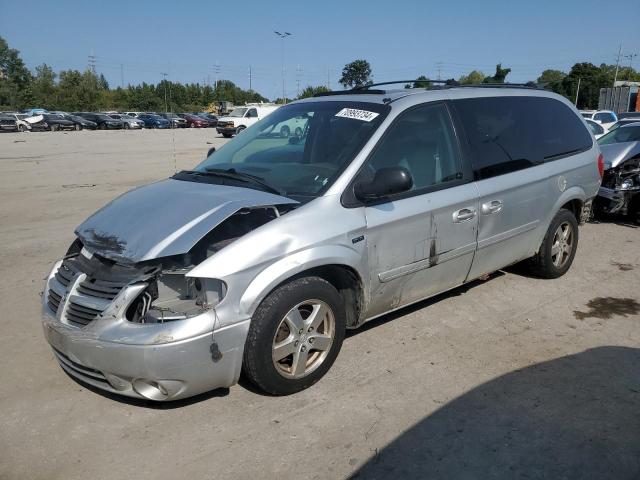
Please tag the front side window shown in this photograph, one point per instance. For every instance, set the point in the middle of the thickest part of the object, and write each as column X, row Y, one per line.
column 596, row 128
column 299, row 149
column 422, row 141
column 238, row 112
column 252, row 113
column 507, row 134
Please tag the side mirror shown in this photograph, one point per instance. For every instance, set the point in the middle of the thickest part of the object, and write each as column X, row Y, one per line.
column 210, row 151
column 386, row 181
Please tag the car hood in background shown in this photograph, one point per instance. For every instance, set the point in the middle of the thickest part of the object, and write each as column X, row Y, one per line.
column 616, row 153
column 165, row 218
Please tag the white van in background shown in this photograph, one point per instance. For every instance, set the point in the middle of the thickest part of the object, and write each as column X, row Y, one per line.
column 243, row 117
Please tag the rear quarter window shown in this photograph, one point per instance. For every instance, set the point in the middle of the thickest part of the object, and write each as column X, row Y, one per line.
column 506, row 134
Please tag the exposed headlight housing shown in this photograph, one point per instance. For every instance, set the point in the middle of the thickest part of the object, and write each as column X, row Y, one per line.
column 172, row 296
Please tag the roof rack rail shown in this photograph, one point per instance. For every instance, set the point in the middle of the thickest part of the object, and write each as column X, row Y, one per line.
column 440, row 84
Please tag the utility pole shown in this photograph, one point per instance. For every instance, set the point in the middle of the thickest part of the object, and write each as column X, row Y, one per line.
column 165, row 90
column 92, row 62
column 282, row 37
column 250, row 89
column 439, row 68
column 577, row 91
column 216, row 70
column 630, row 57
column 121, row 76
column 615, row 77
column 328, row 78
column 298, row 73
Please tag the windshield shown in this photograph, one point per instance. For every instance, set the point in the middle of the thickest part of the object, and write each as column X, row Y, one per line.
column 238, row 112
column 623, row 134
column 300, row 149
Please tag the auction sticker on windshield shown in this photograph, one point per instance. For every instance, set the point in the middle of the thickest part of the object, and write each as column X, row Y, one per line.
column 363, row 115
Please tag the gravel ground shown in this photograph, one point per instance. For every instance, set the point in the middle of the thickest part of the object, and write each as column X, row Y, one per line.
column 511, row 377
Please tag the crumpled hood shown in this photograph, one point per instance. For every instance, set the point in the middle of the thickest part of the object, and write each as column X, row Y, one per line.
column 165, row 218
column 616, row 153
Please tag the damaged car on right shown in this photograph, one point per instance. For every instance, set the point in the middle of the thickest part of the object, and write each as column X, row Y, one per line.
column 619, row 193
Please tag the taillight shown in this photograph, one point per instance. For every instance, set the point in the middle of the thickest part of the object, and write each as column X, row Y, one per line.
column 601, row 165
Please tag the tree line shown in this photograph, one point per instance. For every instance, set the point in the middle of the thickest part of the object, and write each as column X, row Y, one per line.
column 72, row 90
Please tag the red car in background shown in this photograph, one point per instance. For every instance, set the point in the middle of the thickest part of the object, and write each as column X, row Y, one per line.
column 193, row 121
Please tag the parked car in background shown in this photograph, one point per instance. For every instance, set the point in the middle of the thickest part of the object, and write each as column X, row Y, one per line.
column 51, row 122
column 211, row 118
column 624, row 134
column 597, row 129
column 193, row 121
column 175, row 119
column 134, row 114
column 128, row 122
column 625, row 115
column 606, row 118
column 243, row 117
column 30, row 112
column 21, row 124
column 152, row 120
column 620, row 189
column 104, row 122
column 261, row 257
column 8, row 123
column 623, row 121
column 80, row 122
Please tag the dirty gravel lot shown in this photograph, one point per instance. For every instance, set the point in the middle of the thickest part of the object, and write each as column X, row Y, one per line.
column 512, row 377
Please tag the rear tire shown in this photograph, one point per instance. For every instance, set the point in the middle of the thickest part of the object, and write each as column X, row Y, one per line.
column 295, row 336
column 127, row 126
column 558, row 248
column 78, row 127
column 22, row 128
column 53, row 128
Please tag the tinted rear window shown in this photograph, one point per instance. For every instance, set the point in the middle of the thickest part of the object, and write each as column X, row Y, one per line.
column 511, row 133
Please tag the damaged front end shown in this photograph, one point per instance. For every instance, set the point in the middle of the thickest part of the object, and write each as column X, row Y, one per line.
column 620, row 189
column 124, row 319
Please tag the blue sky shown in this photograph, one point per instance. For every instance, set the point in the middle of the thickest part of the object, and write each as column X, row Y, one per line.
column 400, row 40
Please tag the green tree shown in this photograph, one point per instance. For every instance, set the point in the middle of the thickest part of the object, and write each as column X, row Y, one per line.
column 44, row 87
column 310, row 91
column 420, row 82
column 475, row 77
column 550, row 76
column 590, row 78
column 15, row 78
column 356, row 74
column 500, row 75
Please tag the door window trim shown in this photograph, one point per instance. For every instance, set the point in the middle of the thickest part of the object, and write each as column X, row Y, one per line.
column 348, row 198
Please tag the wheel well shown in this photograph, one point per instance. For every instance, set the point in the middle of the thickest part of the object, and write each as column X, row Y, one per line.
column 575, row 207
column 348, row 283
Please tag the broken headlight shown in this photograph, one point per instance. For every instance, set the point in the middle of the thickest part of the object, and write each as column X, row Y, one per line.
column 173, row 296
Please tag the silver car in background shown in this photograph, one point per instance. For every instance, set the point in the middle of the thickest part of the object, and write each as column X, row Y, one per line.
column 128, row 121
column 260, row 258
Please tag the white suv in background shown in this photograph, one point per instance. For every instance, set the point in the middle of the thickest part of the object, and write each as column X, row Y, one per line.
column 606, row 118
column 243, row 117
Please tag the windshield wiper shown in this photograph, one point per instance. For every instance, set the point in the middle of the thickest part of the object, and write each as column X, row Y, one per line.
column 242, row 176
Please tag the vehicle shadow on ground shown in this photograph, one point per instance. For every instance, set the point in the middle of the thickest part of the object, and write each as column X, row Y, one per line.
column 574, row 417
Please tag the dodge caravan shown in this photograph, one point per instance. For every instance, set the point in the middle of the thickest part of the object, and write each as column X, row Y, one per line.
column 260, row 258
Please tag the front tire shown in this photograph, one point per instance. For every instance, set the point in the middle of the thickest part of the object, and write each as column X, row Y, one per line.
column 558, row 249
column 239, row 129
column 295, row 336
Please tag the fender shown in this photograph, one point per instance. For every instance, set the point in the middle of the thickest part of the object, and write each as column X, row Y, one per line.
column 572, row 193
column 291, row 265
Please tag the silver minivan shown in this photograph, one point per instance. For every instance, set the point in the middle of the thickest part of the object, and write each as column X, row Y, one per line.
column 260, row 258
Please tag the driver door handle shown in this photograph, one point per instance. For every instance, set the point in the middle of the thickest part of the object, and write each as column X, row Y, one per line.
column 494, row 206
column 464, row 215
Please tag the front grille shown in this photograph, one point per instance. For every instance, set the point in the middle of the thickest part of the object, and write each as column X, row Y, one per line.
column 86, row 299
column 79, row 315
column 54, row 300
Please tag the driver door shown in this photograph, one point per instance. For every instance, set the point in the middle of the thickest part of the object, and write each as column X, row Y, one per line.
column 421, row 242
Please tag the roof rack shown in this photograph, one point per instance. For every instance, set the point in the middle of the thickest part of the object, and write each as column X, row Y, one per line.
column 441, row 84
